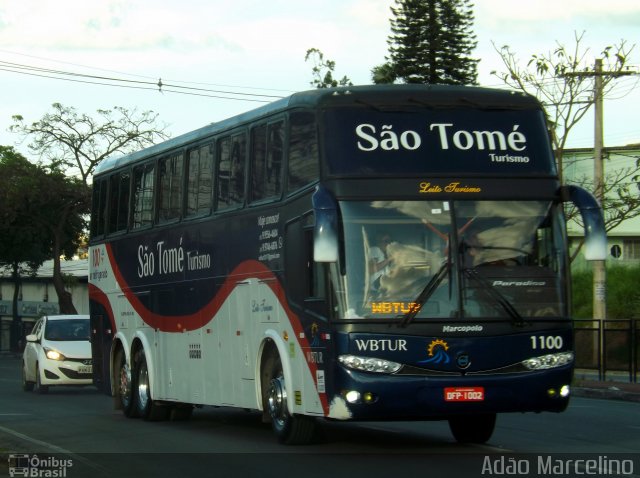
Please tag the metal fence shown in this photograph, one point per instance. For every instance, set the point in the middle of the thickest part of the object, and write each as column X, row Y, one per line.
column 610, row 348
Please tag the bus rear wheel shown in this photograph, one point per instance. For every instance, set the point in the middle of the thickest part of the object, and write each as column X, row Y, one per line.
column 289, row 429
column 145, row 406
column 123, row 396
column 473, row 428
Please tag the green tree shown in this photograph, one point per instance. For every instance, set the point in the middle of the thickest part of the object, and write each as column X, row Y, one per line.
column 431, row 43
column 68, row 203
column 24, row 245
column 72, row 145
column 323, row 71
column 42, row 215
column 76, row 143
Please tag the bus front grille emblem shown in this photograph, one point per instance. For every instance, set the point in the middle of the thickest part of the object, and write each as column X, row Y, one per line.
column 463, row 360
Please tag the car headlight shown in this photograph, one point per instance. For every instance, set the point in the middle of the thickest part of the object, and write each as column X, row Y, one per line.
column 369, row 364
column 54, row 354
column 548, row 361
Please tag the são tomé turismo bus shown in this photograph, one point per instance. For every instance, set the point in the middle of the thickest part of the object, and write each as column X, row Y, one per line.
column 366, row 253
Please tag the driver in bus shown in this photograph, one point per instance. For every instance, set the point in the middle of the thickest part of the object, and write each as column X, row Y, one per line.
column 379, row 261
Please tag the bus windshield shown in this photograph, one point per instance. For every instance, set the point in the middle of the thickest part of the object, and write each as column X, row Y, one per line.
column 451, row 259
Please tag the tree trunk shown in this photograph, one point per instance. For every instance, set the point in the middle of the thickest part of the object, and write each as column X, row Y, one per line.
column 15, row 332
column 65, row 303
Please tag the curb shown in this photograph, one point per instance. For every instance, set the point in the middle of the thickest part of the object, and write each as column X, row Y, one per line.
column 608, row 393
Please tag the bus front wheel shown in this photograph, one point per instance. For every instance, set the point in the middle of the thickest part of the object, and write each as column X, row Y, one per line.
column 289, row 429
column 473, row 428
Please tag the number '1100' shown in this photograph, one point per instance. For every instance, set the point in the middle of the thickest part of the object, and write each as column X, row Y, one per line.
column 546, row 342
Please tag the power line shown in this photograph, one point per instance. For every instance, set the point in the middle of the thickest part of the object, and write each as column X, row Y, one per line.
column 286, row 92
column 158, row 85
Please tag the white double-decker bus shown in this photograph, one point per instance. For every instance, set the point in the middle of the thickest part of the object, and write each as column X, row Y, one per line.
column 365, row 253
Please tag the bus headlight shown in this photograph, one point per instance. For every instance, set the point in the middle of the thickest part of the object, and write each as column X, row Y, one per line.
column 369, row 364
column 548, row 361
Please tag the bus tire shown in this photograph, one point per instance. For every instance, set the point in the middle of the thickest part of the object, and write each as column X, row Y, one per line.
column 473, row 428
column 289, row 429
column 123, row 396
column 144, row 404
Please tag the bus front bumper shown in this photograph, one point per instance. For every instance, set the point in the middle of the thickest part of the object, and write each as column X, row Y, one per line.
column 384, row 397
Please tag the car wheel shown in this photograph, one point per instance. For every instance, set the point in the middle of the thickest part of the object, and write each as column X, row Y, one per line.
column 27, row 386
column 39, row 388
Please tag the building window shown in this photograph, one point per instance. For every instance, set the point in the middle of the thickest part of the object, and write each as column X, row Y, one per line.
column 631, row 249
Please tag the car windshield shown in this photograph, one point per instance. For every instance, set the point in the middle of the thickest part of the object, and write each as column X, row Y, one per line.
column 67, row 329
column 450, row 259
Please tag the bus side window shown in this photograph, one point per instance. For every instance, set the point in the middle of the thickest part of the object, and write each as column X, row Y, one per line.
column 275, row 158
column 305, row 277
column 303, row 167
column 99, row 208
column 119, row 185
column 266, row 160
column 231, row 167
column 143, row 178
column 199, row 180
column 170, row 188
column 316, row 271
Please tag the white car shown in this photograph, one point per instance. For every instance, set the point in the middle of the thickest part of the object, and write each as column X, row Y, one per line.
column 58, row 352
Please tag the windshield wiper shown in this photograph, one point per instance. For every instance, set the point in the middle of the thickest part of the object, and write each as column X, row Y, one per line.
column 427, row 292
column 496, row 295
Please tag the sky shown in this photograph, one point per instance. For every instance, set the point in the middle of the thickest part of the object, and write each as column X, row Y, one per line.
column 233, row 56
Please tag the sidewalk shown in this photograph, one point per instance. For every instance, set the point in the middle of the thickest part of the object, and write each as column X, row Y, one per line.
column 608, row 390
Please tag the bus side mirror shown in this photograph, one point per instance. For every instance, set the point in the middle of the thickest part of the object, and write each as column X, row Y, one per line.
column 325, row 232
column 595, row 236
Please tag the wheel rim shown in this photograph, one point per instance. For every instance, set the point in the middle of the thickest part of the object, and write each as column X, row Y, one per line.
column 277, row 401
column 143, row 386
column 125, row 384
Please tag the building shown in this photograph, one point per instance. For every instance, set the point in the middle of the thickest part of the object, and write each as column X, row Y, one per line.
column 621, row 164
column 38, row 297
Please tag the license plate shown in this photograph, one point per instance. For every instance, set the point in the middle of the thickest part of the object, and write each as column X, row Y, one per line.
column 85, row 369
column 464, row 394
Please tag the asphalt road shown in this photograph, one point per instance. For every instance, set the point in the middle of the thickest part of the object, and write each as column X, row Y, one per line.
column 74, row 432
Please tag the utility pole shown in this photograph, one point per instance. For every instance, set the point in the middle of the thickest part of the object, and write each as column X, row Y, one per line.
column 599, row 267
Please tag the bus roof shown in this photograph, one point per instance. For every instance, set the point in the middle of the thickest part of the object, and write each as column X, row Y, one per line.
column 376, row 96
